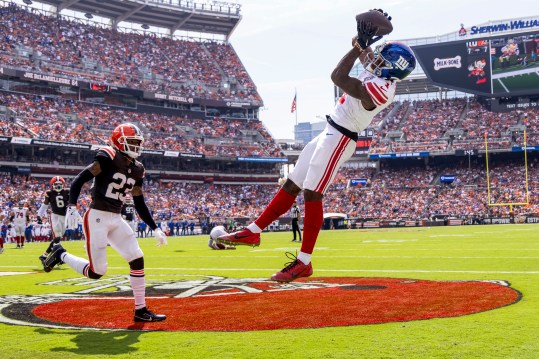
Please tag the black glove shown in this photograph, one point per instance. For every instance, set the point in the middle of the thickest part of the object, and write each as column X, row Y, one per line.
column 366, row 34
column 384, row 13
column 366, row 31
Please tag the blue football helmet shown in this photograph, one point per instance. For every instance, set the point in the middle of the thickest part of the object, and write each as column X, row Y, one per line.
column 392, row 61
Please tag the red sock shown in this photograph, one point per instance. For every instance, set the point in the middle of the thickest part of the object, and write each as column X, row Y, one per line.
column 276, row 208
column 314, row 217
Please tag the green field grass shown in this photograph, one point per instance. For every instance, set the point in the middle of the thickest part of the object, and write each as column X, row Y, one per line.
column 517, row 83
column 500, row 252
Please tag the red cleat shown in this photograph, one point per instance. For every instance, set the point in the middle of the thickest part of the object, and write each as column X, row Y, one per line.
column 294, row 270
column 245, row 237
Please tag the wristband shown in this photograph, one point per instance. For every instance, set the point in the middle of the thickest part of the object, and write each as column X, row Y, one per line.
column 358, row 46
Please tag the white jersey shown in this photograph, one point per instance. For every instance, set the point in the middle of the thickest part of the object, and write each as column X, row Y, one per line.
column 70, row 223
column 349, row 111
column 37, row 229
column 19, row 215
column 46, row 229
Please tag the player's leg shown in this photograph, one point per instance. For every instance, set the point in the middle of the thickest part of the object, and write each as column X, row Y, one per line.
column 123, row 240
column 23, row 234
column 19, row 234
column 279, row 205
column 133, row 225
column 96, row 226
column 15, row 236
column 285, row 197
column 332, row 150
column 57, row 227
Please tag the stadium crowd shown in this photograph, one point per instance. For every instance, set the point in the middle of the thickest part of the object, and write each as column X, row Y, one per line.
column 413, row 192
column 37, row 41
column 64, row 119
column 58, row 119
column 33, row 40
column 58, row 45
column 448, row 125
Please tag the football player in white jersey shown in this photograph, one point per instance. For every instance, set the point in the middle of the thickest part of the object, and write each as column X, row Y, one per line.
column 364, row 97
column 19, row 217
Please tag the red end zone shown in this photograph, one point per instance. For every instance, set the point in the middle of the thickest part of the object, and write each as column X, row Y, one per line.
column 357, row 301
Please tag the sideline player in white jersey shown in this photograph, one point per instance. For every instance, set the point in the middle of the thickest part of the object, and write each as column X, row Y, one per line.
column 115, row 174
column 19, row 217
column 365, row 96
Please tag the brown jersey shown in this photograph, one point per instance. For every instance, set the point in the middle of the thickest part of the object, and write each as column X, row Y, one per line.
column 128, row 211
column 58, row 201
column 119, row 174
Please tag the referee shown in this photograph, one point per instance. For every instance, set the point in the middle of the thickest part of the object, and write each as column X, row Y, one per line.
column 296, row 215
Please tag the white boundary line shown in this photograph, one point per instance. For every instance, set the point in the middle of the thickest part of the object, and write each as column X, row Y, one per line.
column 337, row 270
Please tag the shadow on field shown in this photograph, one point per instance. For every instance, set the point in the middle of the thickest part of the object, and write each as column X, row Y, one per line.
column 40, row 270
column 94, row 342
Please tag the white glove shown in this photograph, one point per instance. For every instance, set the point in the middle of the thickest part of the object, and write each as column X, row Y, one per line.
column 42, row 210
column 71, row 216
column 160, row 237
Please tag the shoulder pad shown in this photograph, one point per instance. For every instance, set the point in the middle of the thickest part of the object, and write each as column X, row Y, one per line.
column 379, row 90
column 107, row 152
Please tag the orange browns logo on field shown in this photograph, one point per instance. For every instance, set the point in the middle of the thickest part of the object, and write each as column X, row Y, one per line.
column 212, row 303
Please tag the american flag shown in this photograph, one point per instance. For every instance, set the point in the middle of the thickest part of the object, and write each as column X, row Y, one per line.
column 293, row 109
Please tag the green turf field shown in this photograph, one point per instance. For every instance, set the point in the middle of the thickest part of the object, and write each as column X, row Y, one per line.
column 499, row 252
column 524, row 82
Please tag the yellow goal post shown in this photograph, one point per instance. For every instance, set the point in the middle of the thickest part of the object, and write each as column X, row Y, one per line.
column 510, row 204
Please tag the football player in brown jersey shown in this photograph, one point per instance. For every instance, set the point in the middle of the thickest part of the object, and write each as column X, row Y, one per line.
column 56, row 198
column 116, row 173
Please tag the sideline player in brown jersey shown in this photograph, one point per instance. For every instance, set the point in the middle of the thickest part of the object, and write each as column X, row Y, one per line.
column 56, row 198
column 115, row 173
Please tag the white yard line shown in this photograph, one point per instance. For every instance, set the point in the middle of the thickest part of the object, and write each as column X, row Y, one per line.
column 320, row 270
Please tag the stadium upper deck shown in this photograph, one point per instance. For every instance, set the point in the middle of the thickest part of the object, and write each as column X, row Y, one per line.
column 85, row 55
column 215, row 17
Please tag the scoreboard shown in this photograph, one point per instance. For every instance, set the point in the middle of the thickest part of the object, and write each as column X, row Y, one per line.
column 491, row 66
column 364, row 142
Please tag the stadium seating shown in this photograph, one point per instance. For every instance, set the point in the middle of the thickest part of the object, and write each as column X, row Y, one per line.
column 178, row 67
column 409, row 192
column 34, row 41
column 70, row 121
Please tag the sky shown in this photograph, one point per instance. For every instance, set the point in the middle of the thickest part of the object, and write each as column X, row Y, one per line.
column 294, row 45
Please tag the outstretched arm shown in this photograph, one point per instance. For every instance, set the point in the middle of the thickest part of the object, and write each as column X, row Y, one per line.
column 350, row 85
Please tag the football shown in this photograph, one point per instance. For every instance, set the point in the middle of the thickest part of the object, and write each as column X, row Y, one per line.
column 377, row 19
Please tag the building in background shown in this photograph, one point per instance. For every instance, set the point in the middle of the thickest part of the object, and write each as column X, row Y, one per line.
column 305, row 131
